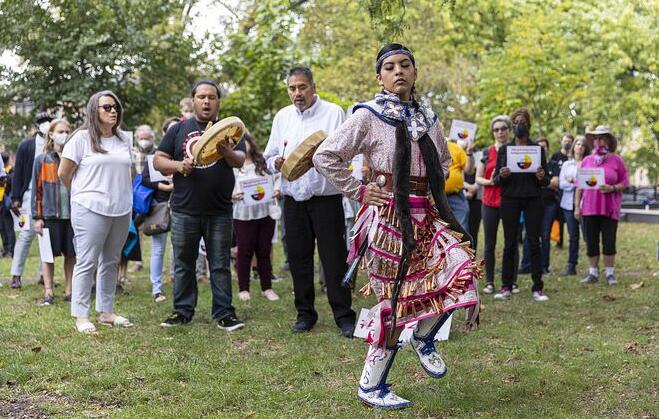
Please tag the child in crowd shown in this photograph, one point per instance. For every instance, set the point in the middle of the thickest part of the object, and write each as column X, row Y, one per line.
column 51, row 208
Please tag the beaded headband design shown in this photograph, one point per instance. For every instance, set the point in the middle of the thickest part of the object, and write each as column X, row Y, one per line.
column 386, row 55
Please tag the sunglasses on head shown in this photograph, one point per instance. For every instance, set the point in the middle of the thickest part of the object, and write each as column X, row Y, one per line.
column 500, row 129
column 108, row 108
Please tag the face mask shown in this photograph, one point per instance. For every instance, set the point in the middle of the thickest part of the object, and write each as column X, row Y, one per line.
column 566, row 147
column 462, row 144
column 43, row 127
column 60, row 138
column 602, row 150
column 144, row 144
column 521, row 130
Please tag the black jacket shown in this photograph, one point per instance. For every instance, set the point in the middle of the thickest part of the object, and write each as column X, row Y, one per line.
column 23, row 168
column 520, row 185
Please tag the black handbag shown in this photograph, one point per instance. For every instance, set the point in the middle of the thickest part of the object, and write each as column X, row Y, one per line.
column 159, row 219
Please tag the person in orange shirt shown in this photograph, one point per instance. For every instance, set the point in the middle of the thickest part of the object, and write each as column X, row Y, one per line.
column 461, row 162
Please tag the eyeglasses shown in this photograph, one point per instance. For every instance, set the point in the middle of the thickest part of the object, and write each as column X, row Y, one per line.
column 108, row 108
column 502, row 129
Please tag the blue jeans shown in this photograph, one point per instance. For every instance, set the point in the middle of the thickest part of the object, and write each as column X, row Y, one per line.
column 158, row 244
column 573, row 232
column 216, row 230
column 549, row 213
column 460, row 208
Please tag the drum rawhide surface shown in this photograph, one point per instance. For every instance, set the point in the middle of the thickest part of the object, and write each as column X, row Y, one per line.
column 299, row 162
column 229, row 130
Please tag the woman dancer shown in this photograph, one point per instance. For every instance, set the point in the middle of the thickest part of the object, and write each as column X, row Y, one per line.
column 398, row 227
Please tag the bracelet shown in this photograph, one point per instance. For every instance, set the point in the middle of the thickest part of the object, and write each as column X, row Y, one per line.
column 470, row 154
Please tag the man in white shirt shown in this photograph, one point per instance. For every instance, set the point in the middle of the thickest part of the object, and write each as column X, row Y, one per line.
column 313, row 209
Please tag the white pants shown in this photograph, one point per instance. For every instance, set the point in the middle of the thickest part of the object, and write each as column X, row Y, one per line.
column 98, row 242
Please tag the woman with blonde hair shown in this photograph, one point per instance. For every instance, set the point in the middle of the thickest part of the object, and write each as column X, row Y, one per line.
column 97, row 166
column 51, row 207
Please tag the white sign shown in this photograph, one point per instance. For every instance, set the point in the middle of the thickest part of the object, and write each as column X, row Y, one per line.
column 590, row 178
column 155, row 175
column 523, row 159
column 45, row 249
column 356, row 166
column 22, row 221
column 256, row 190
column 362, row 328
column 462, row 130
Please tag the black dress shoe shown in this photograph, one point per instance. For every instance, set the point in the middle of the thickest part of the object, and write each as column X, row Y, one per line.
column 347, row 330
column 302, row 326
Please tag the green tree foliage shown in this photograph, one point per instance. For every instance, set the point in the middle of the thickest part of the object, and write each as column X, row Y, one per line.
column 575, row 64
column 260, row 49
column 579, row 64
column 73, row 48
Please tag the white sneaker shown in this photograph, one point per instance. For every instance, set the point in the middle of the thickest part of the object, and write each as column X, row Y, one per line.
column 503, row 294
column 244, row 296
column 540, row 296
column 489, row 289
column 270, row 295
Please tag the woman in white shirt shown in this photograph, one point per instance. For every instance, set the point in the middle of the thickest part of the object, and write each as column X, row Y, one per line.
column 567, row 183
column 253, row 224
column 96, row 166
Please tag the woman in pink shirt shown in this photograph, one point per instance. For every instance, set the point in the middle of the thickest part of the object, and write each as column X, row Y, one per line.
column 600, row 209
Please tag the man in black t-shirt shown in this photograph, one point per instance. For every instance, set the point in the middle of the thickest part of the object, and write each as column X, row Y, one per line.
column 201, row 207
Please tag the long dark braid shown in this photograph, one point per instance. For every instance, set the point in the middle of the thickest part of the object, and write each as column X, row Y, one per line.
column 401, row 175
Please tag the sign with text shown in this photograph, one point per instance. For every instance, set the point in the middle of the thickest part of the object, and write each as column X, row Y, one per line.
column 523, row 159
column 462, row 130
column 256, row 190
column 590, row 178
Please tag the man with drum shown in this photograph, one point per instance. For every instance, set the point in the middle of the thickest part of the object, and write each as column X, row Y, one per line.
column 201, row 207
column 313, row 210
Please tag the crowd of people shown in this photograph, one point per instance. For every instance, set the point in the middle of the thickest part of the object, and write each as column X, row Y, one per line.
column 422, row 202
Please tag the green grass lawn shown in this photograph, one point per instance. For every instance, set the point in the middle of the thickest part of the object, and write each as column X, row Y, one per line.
column 589, row 352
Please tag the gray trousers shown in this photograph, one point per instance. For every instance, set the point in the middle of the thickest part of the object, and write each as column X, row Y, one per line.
column 98, row 242
column 23, row 243
column 21, row 251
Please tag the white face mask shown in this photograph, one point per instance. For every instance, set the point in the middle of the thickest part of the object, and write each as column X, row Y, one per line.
column 43, row 127
column 60, row 138
column 144, row 144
